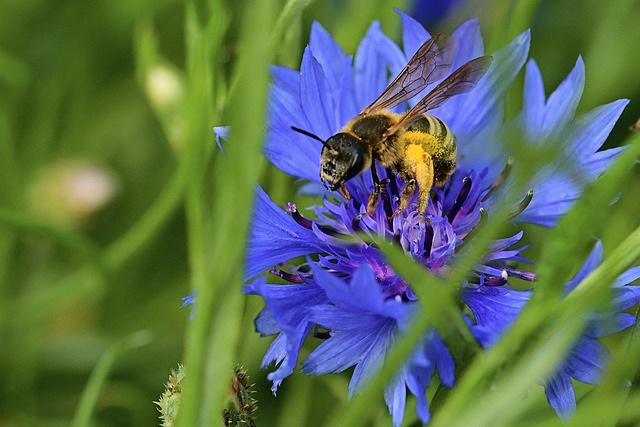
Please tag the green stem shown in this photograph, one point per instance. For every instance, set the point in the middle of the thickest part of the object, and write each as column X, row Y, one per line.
column 91, row 392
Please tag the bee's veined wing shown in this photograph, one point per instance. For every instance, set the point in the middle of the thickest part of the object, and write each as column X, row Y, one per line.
column 462, row 80
column 429, row 64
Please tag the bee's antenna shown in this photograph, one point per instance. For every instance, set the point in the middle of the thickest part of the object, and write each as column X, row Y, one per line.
column 309, row 134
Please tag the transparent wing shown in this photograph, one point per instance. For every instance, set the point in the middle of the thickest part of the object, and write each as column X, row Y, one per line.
column 429, row 64
column 462, row 80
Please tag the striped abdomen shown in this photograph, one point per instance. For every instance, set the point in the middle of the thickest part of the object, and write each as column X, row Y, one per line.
column 442, row 147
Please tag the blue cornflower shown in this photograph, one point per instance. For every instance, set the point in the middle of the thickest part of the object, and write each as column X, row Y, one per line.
column 495, row 309
column 553, row 121
column 346, row 294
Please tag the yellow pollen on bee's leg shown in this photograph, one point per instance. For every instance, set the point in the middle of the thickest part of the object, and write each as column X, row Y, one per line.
column 424, row 177
column 423, row 141
column 413, row 155
column 420, row 164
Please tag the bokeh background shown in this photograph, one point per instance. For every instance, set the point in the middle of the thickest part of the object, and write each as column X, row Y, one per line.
column 96, row 232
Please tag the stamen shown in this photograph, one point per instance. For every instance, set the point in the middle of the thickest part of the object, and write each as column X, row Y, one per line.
column 355, row 223
column 323, row 335
column 291, row 278
column 386, row 200
column 428, row 237
column 484, row 217
column 308, row 224
column 460, row 199
column 497, row 281
column 293, row 210
column 500, row 179
column 521, row 274
column 522, row 205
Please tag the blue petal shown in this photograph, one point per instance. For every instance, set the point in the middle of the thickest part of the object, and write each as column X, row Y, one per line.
column 560, row 394
column 395, row 395
column 626, row 297
column 359, row 299
column 563, row 102
column 266, row 324
column 627, row 277
column 370, row 73
column 495, row 304
column 413, row 34
column 593, row 128
column 485, row 335
column 474, row 111
column 363, row 293
column 439, row 354
column 387, row 49
column 341, row 318
column 613, row 320
column 533, row 98
column 286, row 79
column 316, row 96
column 586, row 361
column 553, row 196
column 275, row 237
column 556, row 193
column 222, row 132
column 469, row 43
column 346, row 105
column 374, row 355
column 348, row 346
column 599, row 162
column 542, row 119
column 418, row 386
column 190, row 300
column 593, row 261
column 276, row 352
column 288, row 363
column 290, row 151
column 328, row 54
column 361, row 329
column 495, row 308
column 289, row 305
column 605, row 324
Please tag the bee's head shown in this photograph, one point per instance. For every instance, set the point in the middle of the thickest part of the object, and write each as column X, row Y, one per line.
column 343, row 157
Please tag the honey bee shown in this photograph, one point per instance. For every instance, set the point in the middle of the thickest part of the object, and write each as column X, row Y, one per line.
column 416, row 146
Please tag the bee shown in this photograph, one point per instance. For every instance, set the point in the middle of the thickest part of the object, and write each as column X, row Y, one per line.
column 418, row 147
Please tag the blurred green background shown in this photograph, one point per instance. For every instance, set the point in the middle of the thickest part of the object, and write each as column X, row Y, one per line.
column 94, row 231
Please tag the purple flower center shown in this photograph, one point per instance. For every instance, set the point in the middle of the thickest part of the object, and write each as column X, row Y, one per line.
column 454, row 211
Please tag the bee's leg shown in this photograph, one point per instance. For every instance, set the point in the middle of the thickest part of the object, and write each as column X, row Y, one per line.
column 373, row 197
column 418, row 170
column 424, row 176
column 345, row 193
column 407, row 192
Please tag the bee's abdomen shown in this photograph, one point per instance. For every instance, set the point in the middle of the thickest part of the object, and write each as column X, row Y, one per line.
column 442, row 147
column 436, row 127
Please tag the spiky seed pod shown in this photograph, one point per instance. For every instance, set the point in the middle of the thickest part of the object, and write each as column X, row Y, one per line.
column 171, row 398
column 241, row 407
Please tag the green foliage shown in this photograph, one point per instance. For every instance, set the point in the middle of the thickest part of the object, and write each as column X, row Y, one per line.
column 90, row 289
